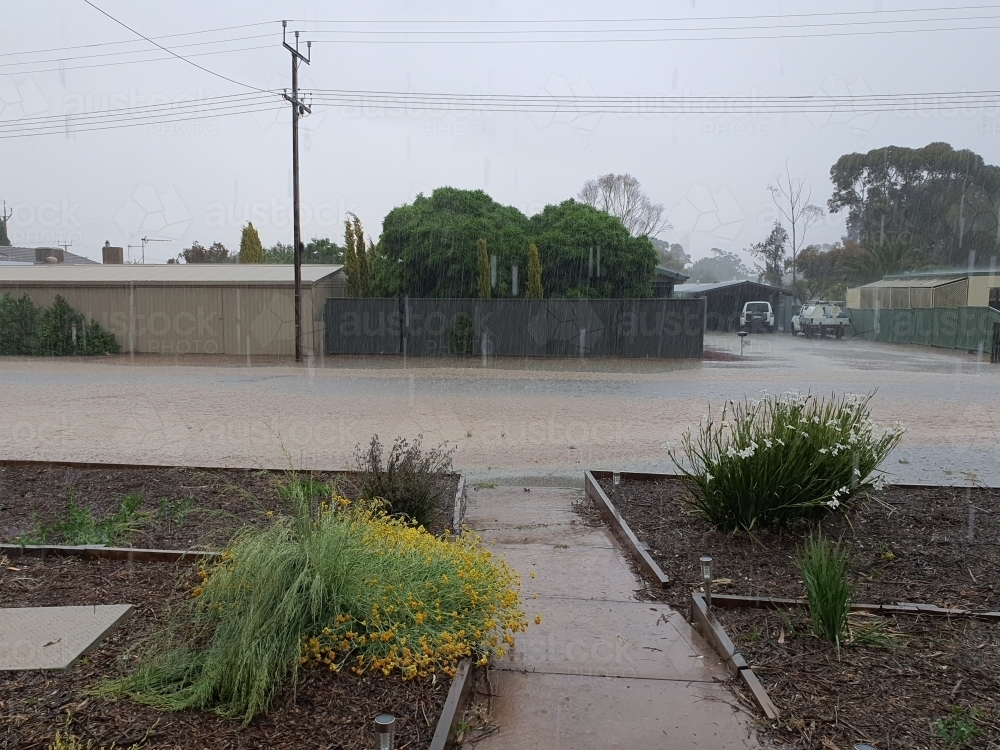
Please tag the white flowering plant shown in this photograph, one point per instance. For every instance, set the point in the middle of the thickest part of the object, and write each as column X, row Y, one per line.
column 767, row 462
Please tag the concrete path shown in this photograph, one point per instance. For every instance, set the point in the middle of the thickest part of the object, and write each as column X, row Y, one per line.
column 603, row 670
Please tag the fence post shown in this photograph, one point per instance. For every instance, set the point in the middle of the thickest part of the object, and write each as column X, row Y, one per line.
column 995, row 352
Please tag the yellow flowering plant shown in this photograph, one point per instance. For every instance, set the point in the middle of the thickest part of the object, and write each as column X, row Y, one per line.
column 342, row 587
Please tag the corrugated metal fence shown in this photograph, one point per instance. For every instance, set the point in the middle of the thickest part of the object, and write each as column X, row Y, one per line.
column 668, row 328
column 968, row 328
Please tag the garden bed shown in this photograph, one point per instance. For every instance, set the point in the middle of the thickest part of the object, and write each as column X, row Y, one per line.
column 902, row 673
column 324, row 710
column 178, row 508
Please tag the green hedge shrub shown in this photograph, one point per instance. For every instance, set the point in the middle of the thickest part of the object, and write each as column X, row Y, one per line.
column 26, row 330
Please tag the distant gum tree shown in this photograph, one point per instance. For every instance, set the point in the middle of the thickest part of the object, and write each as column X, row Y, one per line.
column 622, row 196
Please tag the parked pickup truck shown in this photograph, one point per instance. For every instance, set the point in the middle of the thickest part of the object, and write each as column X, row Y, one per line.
column 819, row 319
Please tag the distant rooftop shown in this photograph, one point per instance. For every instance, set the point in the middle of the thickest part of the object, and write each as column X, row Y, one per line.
column 203, row 274
column 30, row 255
column 671, row 274
column 954, row 273
column 704, row 287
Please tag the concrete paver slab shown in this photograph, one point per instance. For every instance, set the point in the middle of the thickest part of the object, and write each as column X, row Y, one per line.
column 620, row 639
column 570, row 712
column 54, row 637
column 581, row 572
column 566, row 534
column 543, row 515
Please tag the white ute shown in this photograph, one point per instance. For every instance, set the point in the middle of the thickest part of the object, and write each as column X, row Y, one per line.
column 820, row 318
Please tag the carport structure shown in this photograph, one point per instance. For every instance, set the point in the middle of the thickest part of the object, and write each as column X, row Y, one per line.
column 725, row 300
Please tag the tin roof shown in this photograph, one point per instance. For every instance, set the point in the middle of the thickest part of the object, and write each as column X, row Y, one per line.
column 705, row 287
column 171, row 274
column 29, row 254
column 914, row 282
column 671, row 274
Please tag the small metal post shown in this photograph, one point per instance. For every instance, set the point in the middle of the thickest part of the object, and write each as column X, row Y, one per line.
column 385, row 724
column 706, row 577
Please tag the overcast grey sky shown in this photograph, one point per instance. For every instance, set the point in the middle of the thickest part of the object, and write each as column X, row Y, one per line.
column 200, row 179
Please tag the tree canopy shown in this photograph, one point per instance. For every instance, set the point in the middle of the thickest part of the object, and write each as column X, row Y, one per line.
column 719, row 266
column 772, row 253
column 429, row 246
column 589, row 253
column 622, row 196
column 430, row 249
column 321, row 251
column 946, row 201
column 198, row 253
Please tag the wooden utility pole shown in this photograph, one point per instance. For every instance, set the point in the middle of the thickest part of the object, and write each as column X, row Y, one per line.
column 298, row 109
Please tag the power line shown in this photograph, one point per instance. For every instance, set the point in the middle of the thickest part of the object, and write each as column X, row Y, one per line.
column 203, row 103
column 630, row 40
column 136, row 41
column 179, row 57
column 674, row 19
column 131, row 62
column 56, row 130
column 133, row 51
column 825, row 24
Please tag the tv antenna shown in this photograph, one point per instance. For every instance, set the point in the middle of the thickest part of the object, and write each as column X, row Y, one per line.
column 144, row 240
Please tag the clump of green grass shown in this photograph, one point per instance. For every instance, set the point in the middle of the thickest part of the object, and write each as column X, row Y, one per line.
column 311, row 489
column 171, row 513
column 824, row 570
column 80, row 527
column 412, row 481
column 958, row 729
column 344, row 586
column 768, row 462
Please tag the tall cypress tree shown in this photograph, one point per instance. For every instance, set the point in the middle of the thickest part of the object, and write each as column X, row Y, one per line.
column 4, row 237
column 535, row 290
column 485, row 277
column 251, row 251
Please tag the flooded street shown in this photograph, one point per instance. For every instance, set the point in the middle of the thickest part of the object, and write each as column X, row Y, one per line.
column 506, row 418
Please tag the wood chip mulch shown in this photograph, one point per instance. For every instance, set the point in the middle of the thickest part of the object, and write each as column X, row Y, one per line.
column 324, row 710
column 181, row 508
column 929, row 545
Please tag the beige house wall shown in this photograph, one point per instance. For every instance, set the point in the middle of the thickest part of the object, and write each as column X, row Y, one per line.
column 192, row 319
column 979, row 289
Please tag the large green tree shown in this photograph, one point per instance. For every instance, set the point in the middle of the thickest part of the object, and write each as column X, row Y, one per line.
column 429, row 247
column 947, row 201
column 589, row 253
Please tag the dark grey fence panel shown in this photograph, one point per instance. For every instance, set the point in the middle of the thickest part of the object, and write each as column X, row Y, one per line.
column 659, row 328
column 434, row 327
column 511, row 327
column 664, row 328
column 363, row 326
